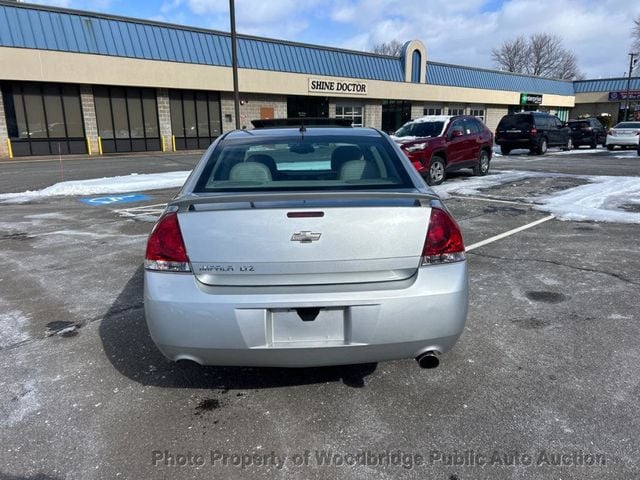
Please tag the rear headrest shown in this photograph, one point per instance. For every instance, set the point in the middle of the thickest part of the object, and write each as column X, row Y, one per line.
column 343, row 154
column 359, row 170
column 250, row 172
column 266, row 160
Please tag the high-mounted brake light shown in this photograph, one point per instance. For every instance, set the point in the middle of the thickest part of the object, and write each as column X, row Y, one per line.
column 165, row 248
column 444, row 242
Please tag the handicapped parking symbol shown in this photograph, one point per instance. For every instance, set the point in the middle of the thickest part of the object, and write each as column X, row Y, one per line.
column 112, row 199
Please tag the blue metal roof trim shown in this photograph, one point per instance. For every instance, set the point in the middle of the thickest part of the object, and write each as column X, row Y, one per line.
column 79, row 32
column 606, row 85
column 459, row 76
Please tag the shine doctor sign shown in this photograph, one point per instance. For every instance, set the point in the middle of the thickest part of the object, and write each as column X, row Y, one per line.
column 337, row 87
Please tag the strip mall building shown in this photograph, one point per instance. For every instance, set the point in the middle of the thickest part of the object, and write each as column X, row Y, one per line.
column 79, row 82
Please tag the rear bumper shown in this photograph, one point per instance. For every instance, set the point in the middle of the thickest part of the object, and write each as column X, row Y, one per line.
column 626, row 141
column 215, row 326
column 583, row 138
column 514, row 143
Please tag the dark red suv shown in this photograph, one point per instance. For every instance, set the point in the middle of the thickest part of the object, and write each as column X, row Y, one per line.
column 438, row 144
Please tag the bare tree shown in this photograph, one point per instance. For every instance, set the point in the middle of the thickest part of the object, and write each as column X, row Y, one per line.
column 541, row 54
column 635, row 34
column 512, row 55
column 392, row 48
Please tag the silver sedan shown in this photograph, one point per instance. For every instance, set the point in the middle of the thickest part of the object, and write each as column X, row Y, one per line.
column 297, row 247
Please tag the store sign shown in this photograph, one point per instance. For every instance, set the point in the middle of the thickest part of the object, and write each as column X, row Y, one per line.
column 338, row 87
column 530, row 99
column 618, row 96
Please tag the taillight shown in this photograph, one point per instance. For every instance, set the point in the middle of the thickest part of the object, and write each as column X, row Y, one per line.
column 165, row 247
column 534, row 131
column 444, row 242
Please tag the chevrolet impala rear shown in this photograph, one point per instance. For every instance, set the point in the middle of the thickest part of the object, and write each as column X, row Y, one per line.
column 305, row 247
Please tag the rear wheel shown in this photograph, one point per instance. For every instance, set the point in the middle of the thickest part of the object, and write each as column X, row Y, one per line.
column 504, row 150
column 482, row 168
column 436, row 173
column 594, row 143
column 568, row 146
column 609, row 147
column 542, row 147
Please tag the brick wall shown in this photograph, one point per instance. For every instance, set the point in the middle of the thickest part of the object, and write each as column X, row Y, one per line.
column 250, row 105
column 164, row 116
column 373, row 114
column 89, row 117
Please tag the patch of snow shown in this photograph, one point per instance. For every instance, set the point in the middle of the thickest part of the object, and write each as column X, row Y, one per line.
column 122, row 184
column 12, row 328
column 473, row 185
column 577, row 151
column 600, row 201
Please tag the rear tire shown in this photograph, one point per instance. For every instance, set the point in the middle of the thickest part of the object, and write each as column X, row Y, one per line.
column 436, row 173
column 484, row 161
column 594, row 143
column 568, row 146
column 505, row 150
column 610, row 147
column 542, row 147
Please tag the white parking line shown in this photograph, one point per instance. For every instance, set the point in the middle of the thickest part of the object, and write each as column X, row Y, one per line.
column 145, row 212
column 508, row 233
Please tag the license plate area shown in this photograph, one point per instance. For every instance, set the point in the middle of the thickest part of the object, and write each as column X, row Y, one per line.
column 288, row 326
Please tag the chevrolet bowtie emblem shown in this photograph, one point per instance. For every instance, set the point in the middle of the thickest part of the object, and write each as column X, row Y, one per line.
column 305, row 237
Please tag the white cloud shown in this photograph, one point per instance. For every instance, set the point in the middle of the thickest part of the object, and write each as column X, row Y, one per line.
column 465, row 31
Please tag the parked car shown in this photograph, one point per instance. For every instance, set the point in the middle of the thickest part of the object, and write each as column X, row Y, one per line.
column 624, row 134
column 587, row 131
column 305, row 246
column 439, row 143
column 535, row 131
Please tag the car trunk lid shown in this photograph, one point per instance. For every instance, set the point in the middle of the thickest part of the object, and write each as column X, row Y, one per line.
column 289, row 242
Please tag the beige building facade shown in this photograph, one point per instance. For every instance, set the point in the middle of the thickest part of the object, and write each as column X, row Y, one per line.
column 170, row 88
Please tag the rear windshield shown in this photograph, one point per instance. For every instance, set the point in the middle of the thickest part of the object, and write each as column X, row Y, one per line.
column 515, row 121
column 420, row 129
column 303, row 163
column 628, row 125
column 579, row 124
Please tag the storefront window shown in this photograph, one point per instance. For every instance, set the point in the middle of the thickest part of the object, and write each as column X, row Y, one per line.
column 127, row 119
column 395, row 113
column 301, row 106
column 44, row 119
column 195, row 118
column 477, row 112
column 455, row 111
column 351, row 112
column 432, row 111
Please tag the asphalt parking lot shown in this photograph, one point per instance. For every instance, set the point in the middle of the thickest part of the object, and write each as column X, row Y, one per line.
column 546, row 372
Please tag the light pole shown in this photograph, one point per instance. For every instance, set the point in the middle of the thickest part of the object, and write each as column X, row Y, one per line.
column 626, row 107
column 234, row 63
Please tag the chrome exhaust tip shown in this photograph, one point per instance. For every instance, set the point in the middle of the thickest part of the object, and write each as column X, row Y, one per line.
column 428, row 359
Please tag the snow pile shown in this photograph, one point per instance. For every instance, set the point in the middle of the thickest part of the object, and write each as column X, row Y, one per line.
column 123, row 184
column 600, row 201
column 473, row 185
column 578, row 151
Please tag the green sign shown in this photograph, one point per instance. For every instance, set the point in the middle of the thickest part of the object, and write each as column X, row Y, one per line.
column 530, row 99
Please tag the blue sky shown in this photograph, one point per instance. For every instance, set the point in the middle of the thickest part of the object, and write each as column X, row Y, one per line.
column 461, row 32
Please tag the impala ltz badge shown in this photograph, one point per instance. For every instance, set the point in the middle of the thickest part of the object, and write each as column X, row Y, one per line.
column 305, row 237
